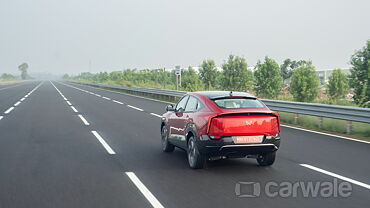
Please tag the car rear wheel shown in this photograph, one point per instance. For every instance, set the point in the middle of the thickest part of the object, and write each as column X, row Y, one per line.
column 266, row 159
column 166, row 146
column 195, row 159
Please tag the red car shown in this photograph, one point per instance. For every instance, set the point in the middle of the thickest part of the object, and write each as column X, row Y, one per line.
column 213, row 125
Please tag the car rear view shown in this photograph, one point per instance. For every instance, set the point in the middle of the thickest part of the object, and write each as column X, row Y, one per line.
column 232, row 125
column 244, row 127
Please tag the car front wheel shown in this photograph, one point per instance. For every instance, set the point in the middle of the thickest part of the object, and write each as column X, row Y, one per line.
column 166, row 146
column 195, row 159
column 266, row 159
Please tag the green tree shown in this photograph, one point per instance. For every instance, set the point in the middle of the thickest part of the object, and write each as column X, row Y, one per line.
column 23, row 68
column 235, row 74
column 338, row 85
column 6, row 76
column 65, row 76
column 304, row 84
column 208, row 73
column 190, row 80
column 289, row 66
column 268, row 78
column 360, row 75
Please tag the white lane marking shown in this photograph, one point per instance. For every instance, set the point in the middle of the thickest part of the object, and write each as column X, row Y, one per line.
column 17, row 103
column 106, row 98
column 9, row 110
column 74, row 109
column 156, row 115
column 97, row 95
column 102, row 141
column 1, row 117
column 26, row 96
column 121, row 103
column 144, row 190
column 336, row 175
column 326, row 134
column 23, row 99
column 69, row 103
column 65, row 98
column 83, row 120
column 160, row 101
column 139, row 109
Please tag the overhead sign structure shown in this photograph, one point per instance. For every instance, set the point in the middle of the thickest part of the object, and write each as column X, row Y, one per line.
column 177, row 70
column 178, row 76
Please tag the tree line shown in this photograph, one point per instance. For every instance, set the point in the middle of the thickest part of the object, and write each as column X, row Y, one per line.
column 266, row 80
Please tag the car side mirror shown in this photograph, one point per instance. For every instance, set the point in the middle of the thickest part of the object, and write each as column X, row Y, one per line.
column 170, row 107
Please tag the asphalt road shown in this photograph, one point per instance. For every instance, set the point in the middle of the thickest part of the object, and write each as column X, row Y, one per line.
column 67, row 145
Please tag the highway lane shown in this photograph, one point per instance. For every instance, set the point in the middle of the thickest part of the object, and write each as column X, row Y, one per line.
column 135, row 134
column 11, row 95
column 49, row 158
column 345, row 157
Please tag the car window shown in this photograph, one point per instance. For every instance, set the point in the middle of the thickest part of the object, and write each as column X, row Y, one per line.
column 199, row 105
column 192, row 104
column 238, row 103
column 180, row 107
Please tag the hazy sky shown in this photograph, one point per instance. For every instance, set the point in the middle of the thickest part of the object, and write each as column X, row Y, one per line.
column 62, row 36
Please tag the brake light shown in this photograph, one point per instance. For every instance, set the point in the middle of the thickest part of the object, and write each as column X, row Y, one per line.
column 216, row 128
column 215, row 137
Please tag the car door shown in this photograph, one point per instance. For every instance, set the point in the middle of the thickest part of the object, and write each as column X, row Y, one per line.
column 176, row 122
column 187, row 118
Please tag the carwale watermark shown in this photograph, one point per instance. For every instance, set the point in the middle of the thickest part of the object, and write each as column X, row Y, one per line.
column 285, row 189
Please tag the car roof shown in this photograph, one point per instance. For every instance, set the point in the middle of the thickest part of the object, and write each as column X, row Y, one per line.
column 220, row 94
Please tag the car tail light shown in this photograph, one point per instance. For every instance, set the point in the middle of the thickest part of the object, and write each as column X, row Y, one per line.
column 216, row 128
column 244, row 125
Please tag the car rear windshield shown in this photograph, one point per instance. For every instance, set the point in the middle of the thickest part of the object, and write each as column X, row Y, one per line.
column 231, row 103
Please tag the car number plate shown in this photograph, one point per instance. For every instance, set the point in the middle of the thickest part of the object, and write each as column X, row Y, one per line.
column 247, row 139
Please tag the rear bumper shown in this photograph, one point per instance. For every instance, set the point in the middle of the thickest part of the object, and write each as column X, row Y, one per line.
column 226, row 147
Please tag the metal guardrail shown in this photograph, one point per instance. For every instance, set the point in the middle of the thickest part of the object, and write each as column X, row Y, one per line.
column 321, row 110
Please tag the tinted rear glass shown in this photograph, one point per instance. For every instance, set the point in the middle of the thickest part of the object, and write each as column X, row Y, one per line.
column 231, row 103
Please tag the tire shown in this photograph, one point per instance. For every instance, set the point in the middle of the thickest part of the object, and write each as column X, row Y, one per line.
column 266, row 159
column 166, row 146
column 195, row 159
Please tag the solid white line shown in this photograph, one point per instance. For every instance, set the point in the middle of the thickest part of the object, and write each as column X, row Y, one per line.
column 118, row 102
column 156, row 115
column 1, row 117
column 98, row 95
column 317, row 132
column 23, row 99
column 336, row 175
column 69, row 103
column 74, row 109
column 65, row 98
column 139, row 109
column 106, row 98
column 102, row 141
column 9, row 110
column 144, row 190
column 17, row 103
column 83, row 120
